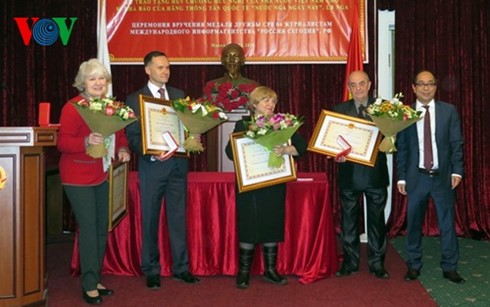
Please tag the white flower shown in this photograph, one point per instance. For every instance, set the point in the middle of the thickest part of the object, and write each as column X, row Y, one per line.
column 197, row 106
column 262, row 131
column 223, row 116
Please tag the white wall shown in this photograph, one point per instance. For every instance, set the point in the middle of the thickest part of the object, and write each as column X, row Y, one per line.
column 385, row 71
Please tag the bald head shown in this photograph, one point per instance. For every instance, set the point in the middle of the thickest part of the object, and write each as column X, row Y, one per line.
column 359, row 85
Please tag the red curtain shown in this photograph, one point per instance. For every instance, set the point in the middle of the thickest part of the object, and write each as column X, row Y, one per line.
column 449, row 37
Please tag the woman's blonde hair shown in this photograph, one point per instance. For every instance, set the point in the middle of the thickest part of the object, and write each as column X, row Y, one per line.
column 260, row 93
column 90, row 68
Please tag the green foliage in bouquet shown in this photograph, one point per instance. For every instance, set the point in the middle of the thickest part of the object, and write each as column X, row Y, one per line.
column 105, row 116
column 391, row 117
column 273, row 130
column 198, row 116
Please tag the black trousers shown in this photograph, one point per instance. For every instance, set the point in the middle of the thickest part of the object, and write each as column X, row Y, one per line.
column 90, row 205
column 376, row 228
column 169, row 182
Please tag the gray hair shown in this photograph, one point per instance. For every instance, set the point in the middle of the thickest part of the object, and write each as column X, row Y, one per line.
column 90, row 68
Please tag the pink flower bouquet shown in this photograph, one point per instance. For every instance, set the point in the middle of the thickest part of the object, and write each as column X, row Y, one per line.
column 273, row 130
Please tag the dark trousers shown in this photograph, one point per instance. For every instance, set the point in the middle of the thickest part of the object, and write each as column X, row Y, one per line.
column 376, row 201
column 155, row 184
column 90, row 205
column 443, row 197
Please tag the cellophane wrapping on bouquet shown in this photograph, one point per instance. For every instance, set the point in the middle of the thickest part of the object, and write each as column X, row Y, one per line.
column 391, row 117
column 274, row 130
column 105, row 116
column 198, row 117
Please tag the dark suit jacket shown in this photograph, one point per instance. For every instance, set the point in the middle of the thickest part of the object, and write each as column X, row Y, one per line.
column 160, row 179
column 356, row 176
column 449, row 142
column 133, row 131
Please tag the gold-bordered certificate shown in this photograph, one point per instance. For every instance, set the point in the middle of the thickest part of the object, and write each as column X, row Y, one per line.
column 362, row 135
column 118, row 193
column 157, row 117
column 251, row 165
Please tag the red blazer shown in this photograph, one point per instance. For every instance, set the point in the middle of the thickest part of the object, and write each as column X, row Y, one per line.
column 75, row 166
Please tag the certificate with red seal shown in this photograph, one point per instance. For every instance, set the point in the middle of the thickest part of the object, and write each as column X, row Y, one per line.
column 338, row 135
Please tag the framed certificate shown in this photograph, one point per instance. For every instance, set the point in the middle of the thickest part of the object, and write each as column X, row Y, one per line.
column 251, row 165
column 334, row 132
column 158, row 117
column 118, row 193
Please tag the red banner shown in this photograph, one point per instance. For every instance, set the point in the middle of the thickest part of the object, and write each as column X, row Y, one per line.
column 195, row 31
column 354, row 57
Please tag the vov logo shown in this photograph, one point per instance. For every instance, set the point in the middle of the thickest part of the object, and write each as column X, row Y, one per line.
column 45, row 31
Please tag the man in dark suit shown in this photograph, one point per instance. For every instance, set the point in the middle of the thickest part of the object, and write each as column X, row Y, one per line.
column 160, row 177
column 437, row 178
column 355, row 181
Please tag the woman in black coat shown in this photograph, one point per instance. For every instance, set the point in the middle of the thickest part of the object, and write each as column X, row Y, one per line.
column 261, row 212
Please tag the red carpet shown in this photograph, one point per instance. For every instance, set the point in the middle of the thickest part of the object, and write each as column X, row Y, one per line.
column 362, row 289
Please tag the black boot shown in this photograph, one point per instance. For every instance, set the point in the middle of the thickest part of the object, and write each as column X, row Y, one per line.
column 270, row 272
column 245, row 262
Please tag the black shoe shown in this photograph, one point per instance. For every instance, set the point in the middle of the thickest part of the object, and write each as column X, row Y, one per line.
column 272, row 276
column 270, row 260
column 96, row 300
column 453, row 276
column 244, row 263
column 412, row 274
column 105, row 292
column 380, row 273
column 153, row 282
column 344, row 271
column 187, row 278
column 242, row 280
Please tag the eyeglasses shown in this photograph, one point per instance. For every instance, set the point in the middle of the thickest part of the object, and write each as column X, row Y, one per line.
column 430, row 85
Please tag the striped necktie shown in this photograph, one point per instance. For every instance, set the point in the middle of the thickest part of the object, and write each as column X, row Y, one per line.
column 360, row 112
column 161, row 91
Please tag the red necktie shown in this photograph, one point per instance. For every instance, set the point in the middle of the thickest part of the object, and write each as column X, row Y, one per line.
column 162, row 92
column 428, row 159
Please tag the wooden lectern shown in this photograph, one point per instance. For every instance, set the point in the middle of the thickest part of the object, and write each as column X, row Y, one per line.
column 22, row 230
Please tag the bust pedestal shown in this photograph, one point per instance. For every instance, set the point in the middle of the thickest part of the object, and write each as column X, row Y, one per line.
column 217, row 138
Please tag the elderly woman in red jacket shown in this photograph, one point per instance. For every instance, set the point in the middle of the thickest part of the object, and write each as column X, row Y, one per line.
column 84, row 178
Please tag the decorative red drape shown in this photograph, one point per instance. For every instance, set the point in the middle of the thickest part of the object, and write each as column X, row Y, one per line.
column 309, row 249
column 450, row 37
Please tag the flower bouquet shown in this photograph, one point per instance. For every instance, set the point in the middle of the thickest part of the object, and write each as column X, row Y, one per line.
column 198, row 116
column 391, row 117
column 227, row 95
column 105, row 116
column 273, row 130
